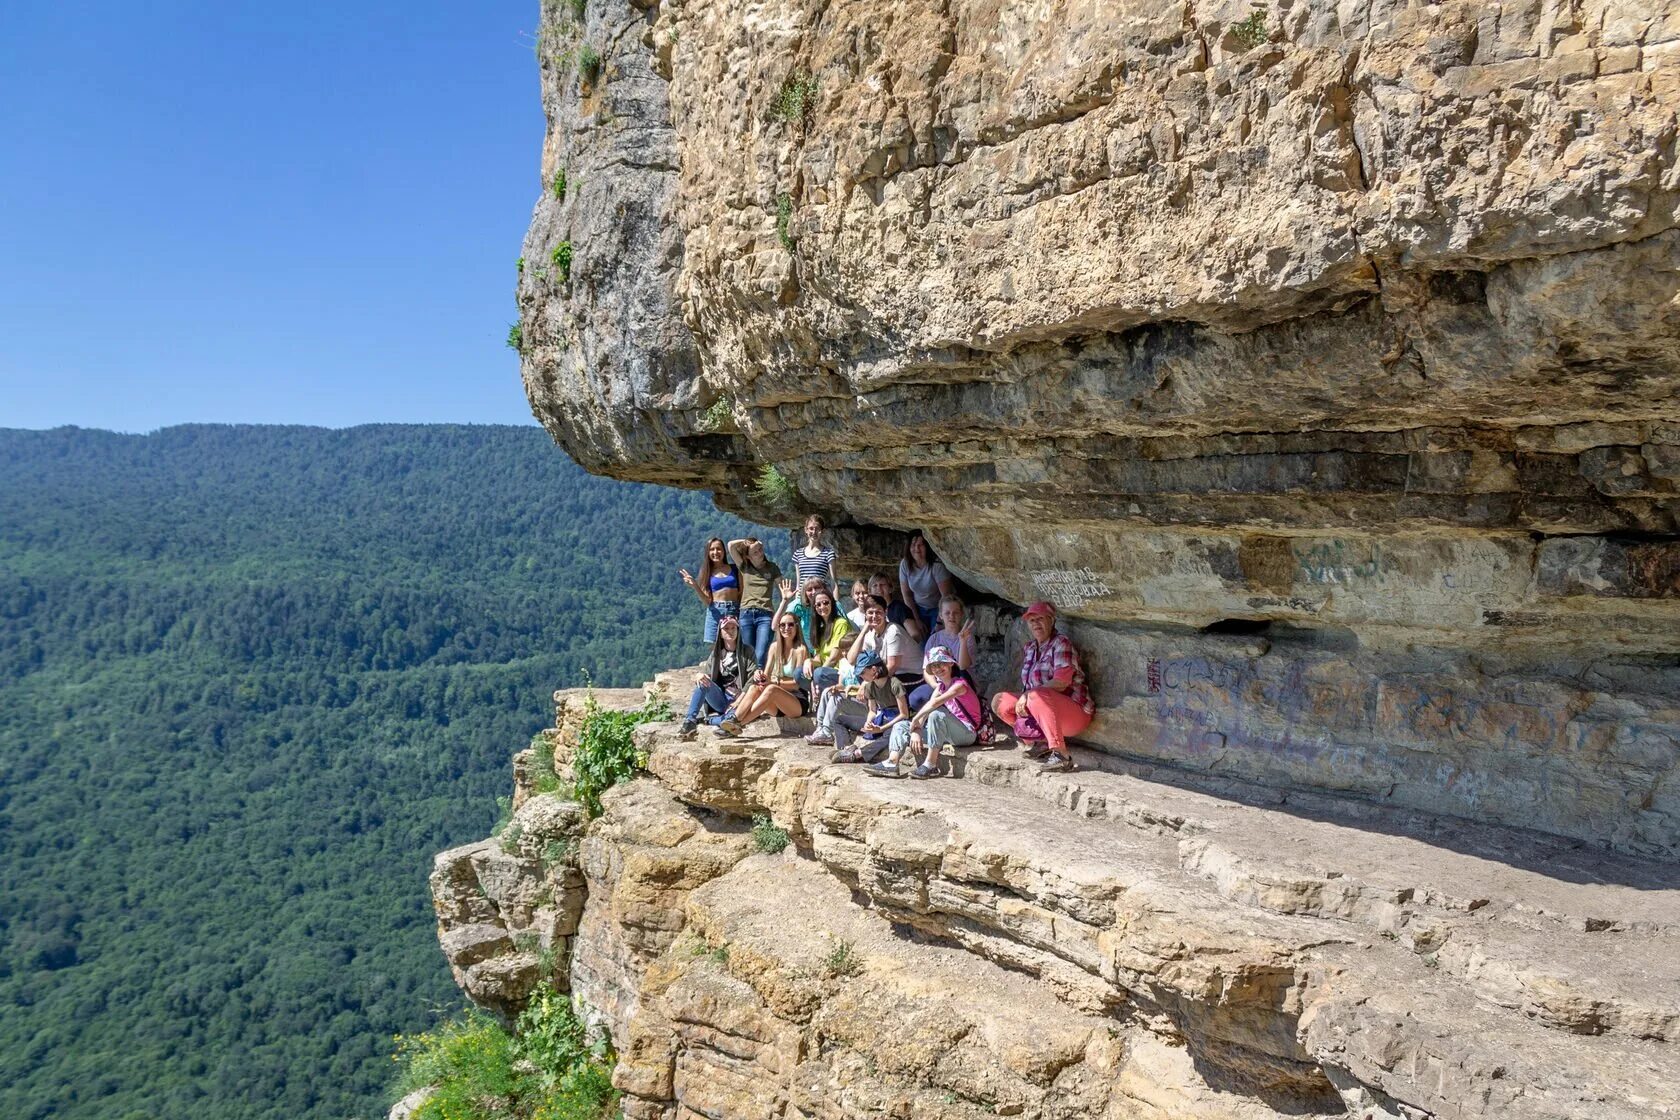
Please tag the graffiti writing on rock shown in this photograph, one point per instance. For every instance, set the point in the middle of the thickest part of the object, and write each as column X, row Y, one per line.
column 1070, row 587
column 1342, row 563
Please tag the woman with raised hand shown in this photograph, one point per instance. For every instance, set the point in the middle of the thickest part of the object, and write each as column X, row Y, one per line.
column 922, row 580
column 726, row 674
column 718, row 585
column 956, row 636
column 759, row 577
column 774, row 690
column 804, row 607
column 1054, row 702
column 814, row 559
column 950, row 717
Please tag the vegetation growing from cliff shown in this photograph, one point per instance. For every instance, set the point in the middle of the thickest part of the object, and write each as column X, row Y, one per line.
column 547, row 1069
column 250, row 679
column 606, row 752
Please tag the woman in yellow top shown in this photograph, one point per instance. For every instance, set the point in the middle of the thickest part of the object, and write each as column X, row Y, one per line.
column 831, row 637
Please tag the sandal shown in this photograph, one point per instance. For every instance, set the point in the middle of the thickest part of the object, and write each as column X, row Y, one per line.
column 1034, row 751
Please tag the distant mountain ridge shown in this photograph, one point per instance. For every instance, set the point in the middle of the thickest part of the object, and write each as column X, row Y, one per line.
column 250, row 677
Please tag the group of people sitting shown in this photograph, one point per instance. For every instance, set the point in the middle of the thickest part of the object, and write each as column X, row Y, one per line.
column 889, row 681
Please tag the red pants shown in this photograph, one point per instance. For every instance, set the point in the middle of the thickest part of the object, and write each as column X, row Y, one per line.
column 1055, row 712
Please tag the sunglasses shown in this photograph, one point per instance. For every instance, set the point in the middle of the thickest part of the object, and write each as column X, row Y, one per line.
column 788, row 626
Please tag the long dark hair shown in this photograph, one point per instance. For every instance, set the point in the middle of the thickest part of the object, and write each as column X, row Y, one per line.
column 706, row 560
column 780, row 649
column 820, row 626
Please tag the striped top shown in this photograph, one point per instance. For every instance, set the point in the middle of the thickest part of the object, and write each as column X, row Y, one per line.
column 809, row 566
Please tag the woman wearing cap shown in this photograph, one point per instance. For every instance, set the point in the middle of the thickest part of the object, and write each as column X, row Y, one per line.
column 950, row 718
column 1054, row 702
column 727, row 672
column 775, row 688
column 719, row 586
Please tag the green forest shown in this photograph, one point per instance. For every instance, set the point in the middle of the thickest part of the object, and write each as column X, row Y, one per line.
column 251, row 678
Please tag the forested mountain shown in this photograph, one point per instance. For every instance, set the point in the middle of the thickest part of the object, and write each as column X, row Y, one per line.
column 250, row 679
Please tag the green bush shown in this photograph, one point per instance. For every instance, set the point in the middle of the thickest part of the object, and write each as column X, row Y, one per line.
column 578, row 7
column 606, row 752
column 774, row 489
column 588, row 64
column 796, row 99
column 516, row 337
column 1251, row 32
column 559, row 186
column 547, row 1069
column 562, row 258
column 767, row 837
column 721, row 414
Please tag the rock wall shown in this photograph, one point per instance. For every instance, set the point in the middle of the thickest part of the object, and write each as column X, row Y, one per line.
column 1357, row 322
column 1118, row 942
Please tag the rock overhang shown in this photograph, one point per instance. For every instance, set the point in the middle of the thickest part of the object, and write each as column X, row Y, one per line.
column 1362, row 324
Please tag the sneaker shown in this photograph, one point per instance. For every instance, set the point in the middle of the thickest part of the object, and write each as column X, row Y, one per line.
column 925, row 771
column 1035, row 751
column 819, row 738
column 729, row 727
column 883, row 769
column 687, row 730
column 871, row 749
column 1056, row 764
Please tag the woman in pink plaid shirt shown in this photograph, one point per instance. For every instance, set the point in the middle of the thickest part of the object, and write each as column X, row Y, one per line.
column 1054, row 702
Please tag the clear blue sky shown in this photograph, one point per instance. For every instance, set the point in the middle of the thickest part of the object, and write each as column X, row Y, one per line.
column 261, row 213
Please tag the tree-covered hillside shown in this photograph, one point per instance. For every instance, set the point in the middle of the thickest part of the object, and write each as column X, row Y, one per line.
column 250, row 679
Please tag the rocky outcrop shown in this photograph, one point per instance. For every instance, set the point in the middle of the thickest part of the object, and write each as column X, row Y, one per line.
column 1121, row 941
column 1354, row 322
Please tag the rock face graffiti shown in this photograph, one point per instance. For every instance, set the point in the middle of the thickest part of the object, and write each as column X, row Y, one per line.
column 1342, row 563
column 1070, row 588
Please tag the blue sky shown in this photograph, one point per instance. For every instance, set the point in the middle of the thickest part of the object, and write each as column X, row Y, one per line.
column 259, row 213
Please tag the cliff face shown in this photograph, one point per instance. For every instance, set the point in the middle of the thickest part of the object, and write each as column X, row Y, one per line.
column 1355, row 324
column 1117, row 942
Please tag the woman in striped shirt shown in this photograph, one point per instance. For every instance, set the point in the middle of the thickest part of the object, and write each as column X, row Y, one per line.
column 812, row 558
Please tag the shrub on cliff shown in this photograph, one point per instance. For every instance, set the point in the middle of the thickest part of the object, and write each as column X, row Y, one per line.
column 547, row 1069
column 606, row 752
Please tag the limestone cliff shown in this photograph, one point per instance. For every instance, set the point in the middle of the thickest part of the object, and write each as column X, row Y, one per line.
column 1353, row 326
column 1122, row 942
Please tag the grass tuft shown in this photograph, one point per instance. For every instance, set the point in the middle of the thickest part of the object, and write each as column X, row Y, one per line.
column 842, row 960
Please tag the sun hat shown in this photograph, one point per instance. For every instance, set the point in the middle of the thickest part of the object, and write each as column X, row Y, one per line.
column 1041, row 607
column 938, row 655
column 867, row 660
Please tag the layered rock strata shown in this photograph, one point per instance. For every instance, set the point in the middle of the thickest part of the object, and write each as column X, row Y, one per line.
column 1358, row 321
column 1114, row 942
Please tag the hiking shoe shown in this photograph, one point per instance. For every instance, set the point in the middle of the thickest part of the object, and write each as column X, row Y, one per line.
column 687, row 730
column 729, row 727
column 819, row 738
column 883, row 770
column 1035, row 751
column 1056, row 764
column 925, row 771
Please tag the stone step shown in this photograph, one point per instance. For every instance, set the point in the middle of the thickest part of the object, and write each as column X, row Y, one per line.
column 1196, row 906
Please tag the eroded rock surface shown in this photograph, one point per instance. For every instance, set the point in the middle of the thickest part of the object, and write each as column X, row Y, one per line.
column 1120, row 941
column 1355, row 320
